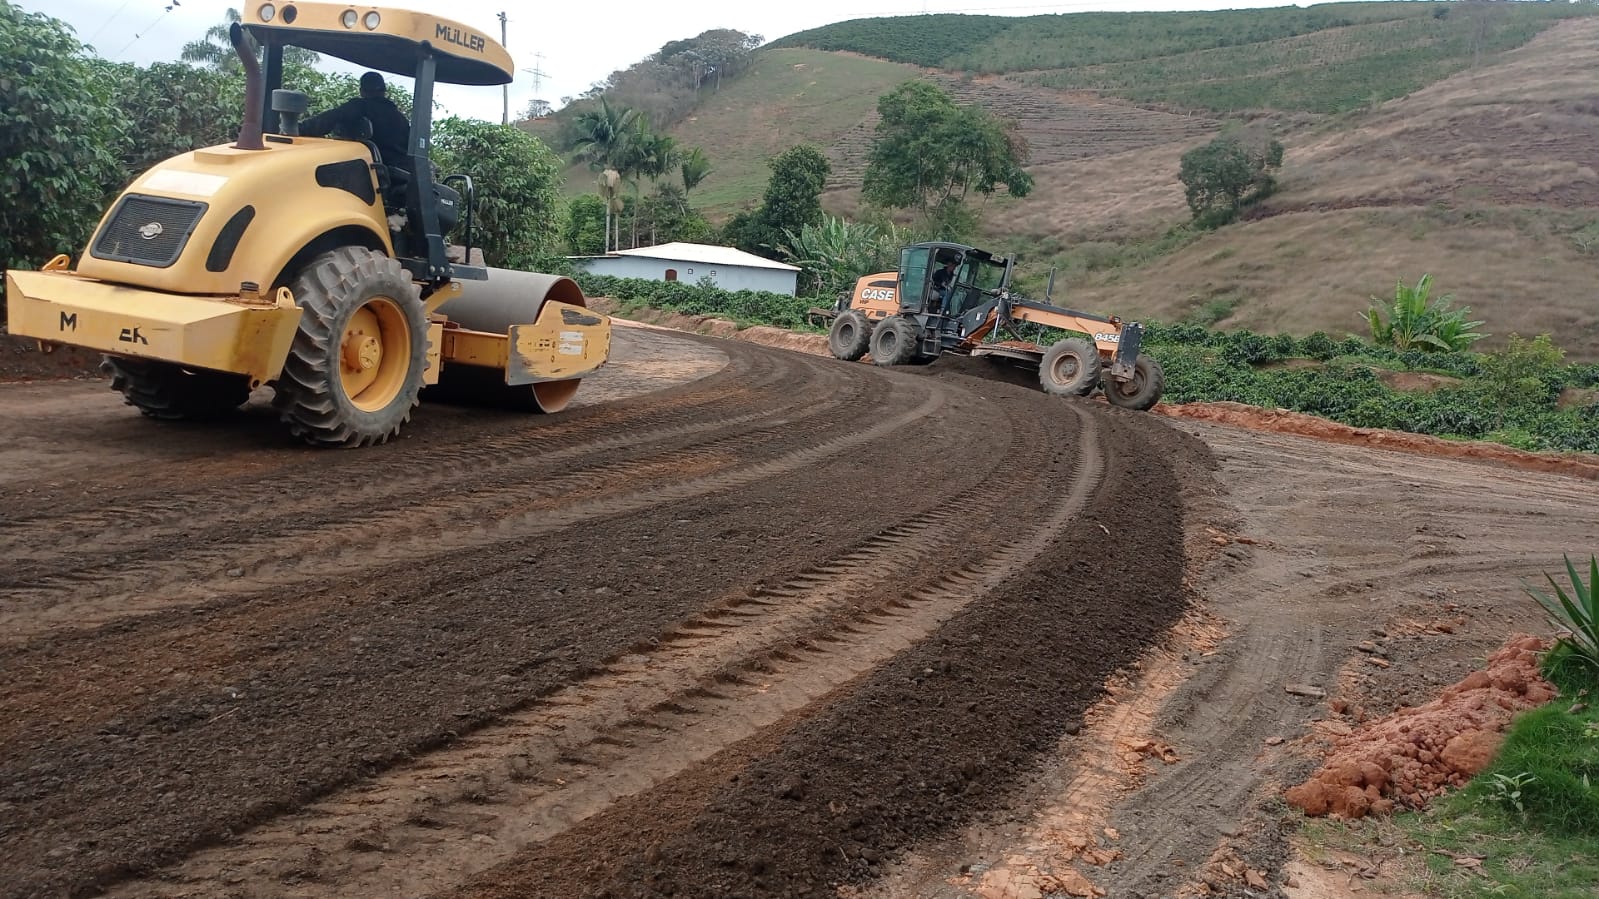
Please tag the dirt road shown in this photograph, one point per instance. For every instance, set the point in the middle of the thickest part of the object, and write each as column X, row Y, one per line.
column 747, row 622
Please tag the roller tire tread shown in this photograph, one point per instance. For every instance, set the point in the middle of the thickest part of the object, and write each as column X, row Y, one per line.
column 309, row 398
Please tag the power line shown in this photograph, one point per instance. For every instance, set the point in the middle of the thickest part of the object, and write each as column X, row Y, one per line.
column 108, row 21
column 147, row 28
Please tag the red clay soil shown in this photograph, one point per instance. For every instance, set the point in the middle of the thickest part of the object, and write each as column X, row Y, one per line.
column 1418, row 753
column 1282, row 421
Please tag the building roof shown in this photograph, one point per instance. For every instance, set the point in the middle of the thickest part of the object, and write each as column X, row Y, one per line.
column 706, row 255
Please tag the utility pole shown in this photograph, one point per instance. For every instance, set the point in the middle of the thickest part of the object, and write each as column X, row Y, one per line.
column 505, row 90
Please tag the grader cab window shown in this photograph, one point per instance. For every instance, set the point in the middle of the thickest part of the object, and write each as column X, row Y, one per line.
column 913, row 265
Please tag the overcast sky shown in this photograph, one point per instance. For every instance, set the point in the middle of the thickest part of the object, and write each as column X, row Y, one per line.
column 573, row 43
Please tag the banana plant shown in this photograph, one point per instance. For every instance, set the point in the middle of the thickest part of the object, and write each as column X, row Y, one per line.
column 1415, row 321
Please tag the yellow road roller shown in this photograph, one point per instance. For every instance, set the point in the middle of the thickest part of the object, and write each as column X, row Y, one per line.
column 315, row 265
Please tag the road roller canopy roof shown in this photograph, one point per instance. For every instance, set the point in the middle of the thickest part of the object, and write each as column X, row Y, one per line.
column 382, row 38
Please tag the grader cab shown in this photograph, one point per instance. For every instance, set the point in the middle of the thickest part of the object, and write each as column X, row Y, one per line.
column 314, row 265
column 952, row 298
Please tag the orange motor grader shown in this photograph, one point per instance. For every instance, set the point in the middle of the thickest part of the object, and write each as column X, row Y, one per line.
column 929, row 308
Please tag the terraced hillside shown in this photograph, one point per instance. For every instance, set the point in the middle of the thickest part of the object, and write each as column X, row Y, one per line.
column 1323, row 59
column 1489, row 180
column 1058, row 125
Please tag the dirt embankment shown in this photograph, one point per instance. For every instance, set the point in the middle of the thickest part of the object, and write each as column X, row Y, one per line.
column 1418, row 753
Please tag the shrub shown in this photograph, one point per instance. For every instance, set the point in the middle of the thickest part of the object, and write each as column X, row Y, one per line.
column 1415, row 321
column 1577, row 613
column 59, row 134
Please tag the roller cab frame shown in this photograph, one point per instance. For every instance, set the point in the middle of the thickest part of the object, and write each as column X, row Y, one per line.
column 903, row 318
column 313, row 264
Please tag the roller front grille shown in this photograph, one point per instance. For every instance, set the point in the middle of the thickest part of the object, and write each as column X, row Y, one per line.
column 148, row 230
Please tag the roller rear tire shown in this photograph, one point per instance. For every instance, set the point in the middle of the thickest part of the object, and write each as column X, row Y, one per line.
column 354, row 370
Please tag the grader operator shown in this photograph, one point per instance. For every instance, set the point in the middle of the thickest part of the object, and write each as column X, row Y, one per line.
column 952, row 298
column 317, row 266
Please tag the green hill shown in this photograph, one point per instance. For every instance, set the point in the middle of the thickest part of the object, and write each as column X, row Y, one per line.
column 1322, row 59
column 1453, row 138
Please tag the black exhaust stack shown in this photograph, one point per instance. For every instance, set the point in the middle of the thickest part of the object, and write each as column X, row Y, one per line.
column 254, row 85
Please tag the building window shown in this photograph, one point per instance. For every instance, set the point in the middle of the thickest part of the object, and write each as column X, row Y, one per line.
column 671, row 274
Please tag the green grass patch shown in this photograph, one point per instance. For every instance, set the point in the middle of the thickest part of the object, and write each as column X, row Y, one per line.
column 1532, row 817
column 790, row 97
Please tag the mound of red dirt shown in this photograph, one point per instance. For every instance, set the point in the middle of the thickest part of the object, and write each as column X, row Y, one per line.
column 1418, row 753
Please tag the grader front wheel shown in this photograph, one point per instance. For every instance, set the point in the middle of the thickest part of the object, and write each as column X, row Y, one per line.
column 1142, row 391
column 354, row 370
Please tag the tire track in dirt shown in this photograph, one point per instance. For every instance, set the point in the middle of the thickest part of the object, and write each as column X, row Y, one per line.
column 509, row 514
column 152, row 736
column 716, row 680
column 1296, row 604
column 937, row 734
column 284, row 552
column 148, row 516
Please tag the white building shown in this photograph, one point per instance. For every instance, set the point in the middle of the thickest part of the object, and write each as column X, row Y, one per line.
column 730, row 269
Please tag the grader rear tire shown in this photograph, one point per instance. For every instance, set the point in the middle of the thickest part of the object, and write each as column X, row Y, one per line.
column 169, row 392
column 1070, row 367
column 1142, row 391
column 354, row 370
column 895, row 342
column 850, row 337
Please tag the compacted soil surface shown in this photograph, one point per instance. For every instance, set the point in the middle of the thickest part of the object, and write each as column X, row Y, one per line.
column 743, row 622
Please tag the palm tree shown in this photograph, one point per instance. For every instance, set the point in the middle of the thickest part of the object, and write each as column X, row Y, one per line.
column 603, row 135
column 648, row 155
column 216, row 49
column 610, row 190
column 695, row 168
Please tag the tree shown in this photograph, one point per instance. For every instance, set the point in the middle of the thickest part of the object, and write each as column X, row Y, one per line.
column 171, row 108
column 610, row 189
column 1229, row 173
column 695, row 168
column 792, row 200
column 215, row 50
column 930, row 153
column 59, row 130
column 834, row 253
column 603, row 133
column 587, row 226
column 537, row 109
column 518, row 188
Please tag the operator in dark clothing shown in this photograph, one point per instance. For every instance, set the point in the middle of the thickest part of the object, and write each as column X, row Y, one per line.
column 391, row 130
column 942, row 280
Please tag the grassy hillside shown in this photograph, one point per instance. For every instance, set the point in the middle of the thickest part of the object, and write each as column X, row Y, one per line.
column 1322, row 59
column 1489, row 180
column 789, row 97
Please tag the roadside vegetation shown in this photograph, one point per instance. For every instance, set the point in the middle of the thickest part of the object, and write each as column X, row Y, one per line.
column 1528, row 825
